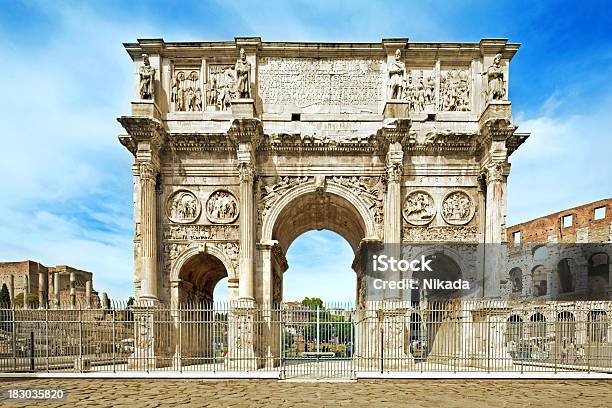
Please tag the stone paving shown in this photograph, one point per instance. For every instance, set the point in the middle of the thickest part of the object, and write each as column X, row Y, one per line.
column 269, row 393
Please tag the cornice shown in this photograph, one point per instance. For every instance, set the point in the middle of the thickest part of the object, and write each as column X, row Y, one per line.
column 142, row 129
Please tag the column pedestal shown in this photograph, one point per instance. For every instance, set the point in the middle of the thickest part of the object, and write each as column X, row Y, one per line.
column 241, row 337
column 147, row 347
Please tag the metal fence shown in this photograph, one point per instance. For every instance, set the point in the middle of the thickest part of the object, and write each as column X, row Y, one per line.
column 295, row 340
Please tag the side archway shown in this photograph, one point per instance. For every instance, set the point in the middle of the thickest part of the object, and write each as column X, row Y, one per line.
column 196, row 271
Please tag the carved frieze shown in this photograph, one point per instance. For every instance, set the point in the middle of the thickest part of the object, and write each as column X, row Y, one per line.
column 183, row 207
column 419, row 208
column 186, row 92
column 221, row 87
column 221, row 207
column 457, row 208
column 173, row 249
column 440, row 234
column 304, row 82
column 455, row 90
column 200, row 232
column 420, row 91
column 370, row 190
column 269, row 194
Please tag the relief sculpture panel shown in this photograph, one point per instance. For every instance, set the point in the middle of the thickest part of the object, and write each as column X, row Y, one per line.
column 221, row 207
column 419, row 208
column 457, row 208
column 186, row 93
column 183, row 207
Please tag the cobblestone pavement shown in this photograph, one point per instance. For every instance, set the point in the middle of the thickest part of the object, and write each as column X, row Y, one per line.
column 267, row 393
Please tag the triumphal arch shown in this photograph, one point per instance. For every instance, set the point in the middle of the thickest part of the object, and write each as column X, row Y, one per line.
column 241, row 146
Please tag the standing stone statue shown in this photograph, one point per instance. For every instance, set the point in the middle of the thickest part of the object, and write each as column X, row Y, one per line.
column 243, row 69
column 495, row 76
column 397, row 76
column 147, row 76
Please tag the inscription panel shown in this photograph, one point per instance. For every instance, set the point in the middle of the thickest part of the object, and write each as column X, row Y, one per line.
column 320, row 84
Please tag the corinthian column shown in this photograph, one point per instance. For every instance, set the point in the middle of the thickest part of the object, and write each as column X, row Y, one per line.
column 393, row 211
column 148, row 231
column 246, row 172
column 494, row 227
column 496, row 203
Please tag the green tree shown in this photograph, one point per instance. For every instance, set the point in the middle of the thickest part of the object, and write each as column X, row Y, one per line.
column 32, row 300
column 5, row 304
column 5, row 297
column 129, row 316
column 312, row 303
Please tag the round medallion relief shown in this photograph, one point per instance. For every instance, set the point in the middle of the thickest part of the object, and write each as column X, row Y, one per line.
column 418, row 208
column 457, row 208
column 183, row 207
column 221, row 207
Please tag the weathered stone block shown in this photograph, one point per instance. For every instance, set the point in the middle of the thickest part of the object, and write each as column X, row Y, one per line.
column 243, row 108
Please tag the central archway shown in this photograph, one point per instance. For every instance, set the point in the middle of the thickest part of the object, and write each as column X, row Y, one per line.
column 306, row 207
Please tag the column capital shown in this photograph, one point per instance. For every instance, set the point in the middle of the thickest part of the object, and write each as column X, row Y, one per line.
column 246, row 171
column 395, row 166
column 496, row 170
column 148, row 170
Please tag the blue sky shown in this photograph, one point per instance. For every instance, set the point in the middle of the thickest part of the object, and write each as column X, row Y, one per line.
column 66, row 181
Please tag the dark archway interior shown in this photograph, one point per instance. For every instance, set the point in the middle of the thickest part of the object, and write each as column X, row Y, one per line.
column 598, row 272
column 443, row 268
column 199, row 276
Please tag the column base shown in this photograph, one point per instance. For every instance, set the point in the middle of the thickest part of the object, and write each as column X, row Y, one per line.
column 146, row 108
column 243, row 108
column 396, row 109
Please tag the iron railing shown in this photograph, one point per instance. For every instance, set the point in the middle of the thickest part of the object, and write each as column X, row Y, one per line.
column 295, row 340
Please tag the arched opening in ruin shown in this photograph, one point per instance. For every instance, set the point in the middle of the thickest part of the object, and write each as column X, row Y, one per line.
column 201, row 321
column 597, row 327
column 598, row 272
column 320, row 267
column 516, row 279
column 514, row 329
column 566, row 327
column 539, row 281
column 537, row 326
column 567, row 282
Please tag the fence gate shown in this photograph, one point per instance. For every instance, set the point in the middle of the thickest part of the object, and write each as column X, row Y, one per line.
column 317, row 342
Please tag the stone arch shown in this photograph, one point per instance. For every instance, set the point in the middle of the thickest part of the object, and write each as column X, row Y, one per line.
column 537, row 325
column 566, row 326
column 598, row 272
column 566, row 275
column 514, row 328
column 516, row 279
column 352, row 202
column 539, row 281
column 206, row 252
column 447, row 264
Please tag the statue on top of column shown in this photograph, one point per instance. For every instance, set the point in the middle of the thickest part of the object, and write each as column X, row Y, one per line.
column 146, row 74
column 397, row 76
column 495, row 76
column 243, row 69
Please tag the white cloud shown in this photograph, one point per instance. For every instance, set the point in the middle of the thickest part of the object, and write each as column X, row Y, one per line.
column 565, row 163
